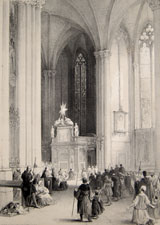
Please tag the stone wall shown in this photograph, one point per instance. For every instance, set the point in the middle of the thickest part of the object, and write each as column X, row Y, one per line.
column 144, row 149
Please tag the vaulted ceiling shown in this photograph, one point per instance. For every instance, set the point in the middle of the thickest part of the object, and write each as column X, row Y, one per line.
column 99, row 19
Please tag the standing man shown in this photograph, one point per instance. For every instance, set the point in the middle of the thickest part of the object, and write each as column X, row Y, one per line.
column 28, row 189
column 83, row 197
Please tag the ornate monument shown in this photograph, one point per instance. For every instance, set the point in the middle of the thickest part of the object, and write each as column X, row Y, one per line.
column 63, row 126
column 69, row 150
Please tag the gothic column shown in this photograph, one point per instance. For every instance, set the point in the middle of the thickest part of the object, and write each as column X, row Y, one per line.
column 28, row 85
column 4, row 83
column 103, row 109
column 33, row 77
column 38, row 152
column 133, row 106
column 99, row 117
column 107, row 109
column 45, row 104
column 5, row 172
column 1, row 63
column 36, row 83
column 48, row 108
column 21, row 83
column 52, row 96
column 29, row 80
column 155, row 6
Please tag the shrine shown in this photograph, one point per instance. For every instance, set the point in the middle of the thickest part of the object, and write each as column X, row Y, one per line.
column 69, row 151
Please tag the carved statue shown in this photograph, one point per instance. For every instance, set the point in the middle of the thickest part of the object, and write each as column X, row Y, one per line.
column 12, row 55
column 52, row 132
column 76, row 130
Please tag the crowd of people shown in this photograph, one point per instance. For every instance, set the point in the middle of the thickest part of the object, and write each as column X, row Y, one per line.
column 146, row 204
column 34, row 192
column 37, row 187
column 102, row 189
column 98, row 189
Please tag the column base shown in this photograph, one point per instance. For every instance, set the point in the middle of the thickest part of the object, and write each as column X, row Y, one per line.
column 6, row 194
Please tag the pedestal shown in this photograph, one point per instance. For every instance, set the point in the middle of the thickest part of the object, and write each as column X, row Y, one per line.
column 72, row 155
column 64, row 134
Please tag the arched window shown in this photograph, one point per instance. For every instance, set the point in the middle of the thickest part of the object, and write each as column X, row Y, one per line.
column 146, row 67
column 80, row 92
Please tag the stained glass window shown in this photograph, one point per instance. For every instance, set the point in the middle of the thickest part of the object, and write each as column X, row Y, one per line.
column 80, row 93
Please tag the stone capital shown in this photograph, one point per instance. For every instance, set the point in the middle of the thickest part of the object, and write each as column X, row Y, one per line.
column 37, row 3
column 49, row 73
column 154, row 4
column 100, row 139
column 102, row 54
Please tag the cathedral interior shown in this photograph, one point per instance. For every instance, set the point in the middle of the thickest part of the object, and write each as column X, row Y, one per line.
column 100, row 58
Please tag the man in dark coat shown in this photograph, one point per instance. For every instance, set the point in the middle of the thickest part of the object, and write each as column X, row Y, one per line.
column 28, row 189
column 122, row 169
column 84, row 203
column 116, row 186
column 45, row 177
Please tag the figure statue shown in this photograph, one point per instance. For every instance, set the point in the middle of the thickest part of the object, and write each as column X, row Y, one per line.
column 63, row 111
column 12, row 61
column 76, row 130
column 52, row 132
column 12, row 55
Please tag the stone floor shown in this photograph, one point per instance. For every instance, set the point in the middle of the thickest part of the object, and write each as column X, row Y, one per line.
column 61, row 213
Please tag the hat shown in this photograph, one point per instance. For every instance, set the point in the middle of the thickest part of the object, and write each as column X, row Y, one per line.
column 84, row 180
column 143, row 188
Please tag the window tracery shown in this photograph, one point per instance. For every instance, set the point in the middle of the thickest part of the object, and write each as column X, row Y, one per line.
column 146, row 52
column 80, row 92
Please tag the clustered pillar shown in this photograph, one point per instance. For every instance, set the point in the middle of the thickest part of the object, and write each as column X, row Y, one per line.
column 48, row 111
column 29, row 81
column 5, row 172
column 155, row 6
column 103, row 109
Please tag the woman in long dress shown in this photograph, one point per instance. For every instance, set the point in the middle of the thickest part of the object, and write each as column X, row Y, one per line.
column 42, row 194
column 140, row 212
column 107, row 189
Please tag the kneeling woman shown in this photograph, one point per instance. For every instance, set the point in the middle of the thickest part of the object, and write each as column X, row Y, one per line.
column 84, row 203
column 140, row 211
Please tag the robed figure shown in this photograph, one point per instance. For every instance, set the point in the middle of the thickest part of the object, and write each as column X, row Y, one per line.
column 83, row 197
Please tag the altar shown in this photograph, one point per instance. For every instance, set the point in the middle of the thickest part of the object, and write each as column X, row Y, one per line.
column 68, row 149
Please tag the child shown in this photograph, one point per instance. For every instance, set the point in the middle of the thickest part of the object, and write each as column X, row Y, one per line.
column 140, row 204
column 97, row 205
